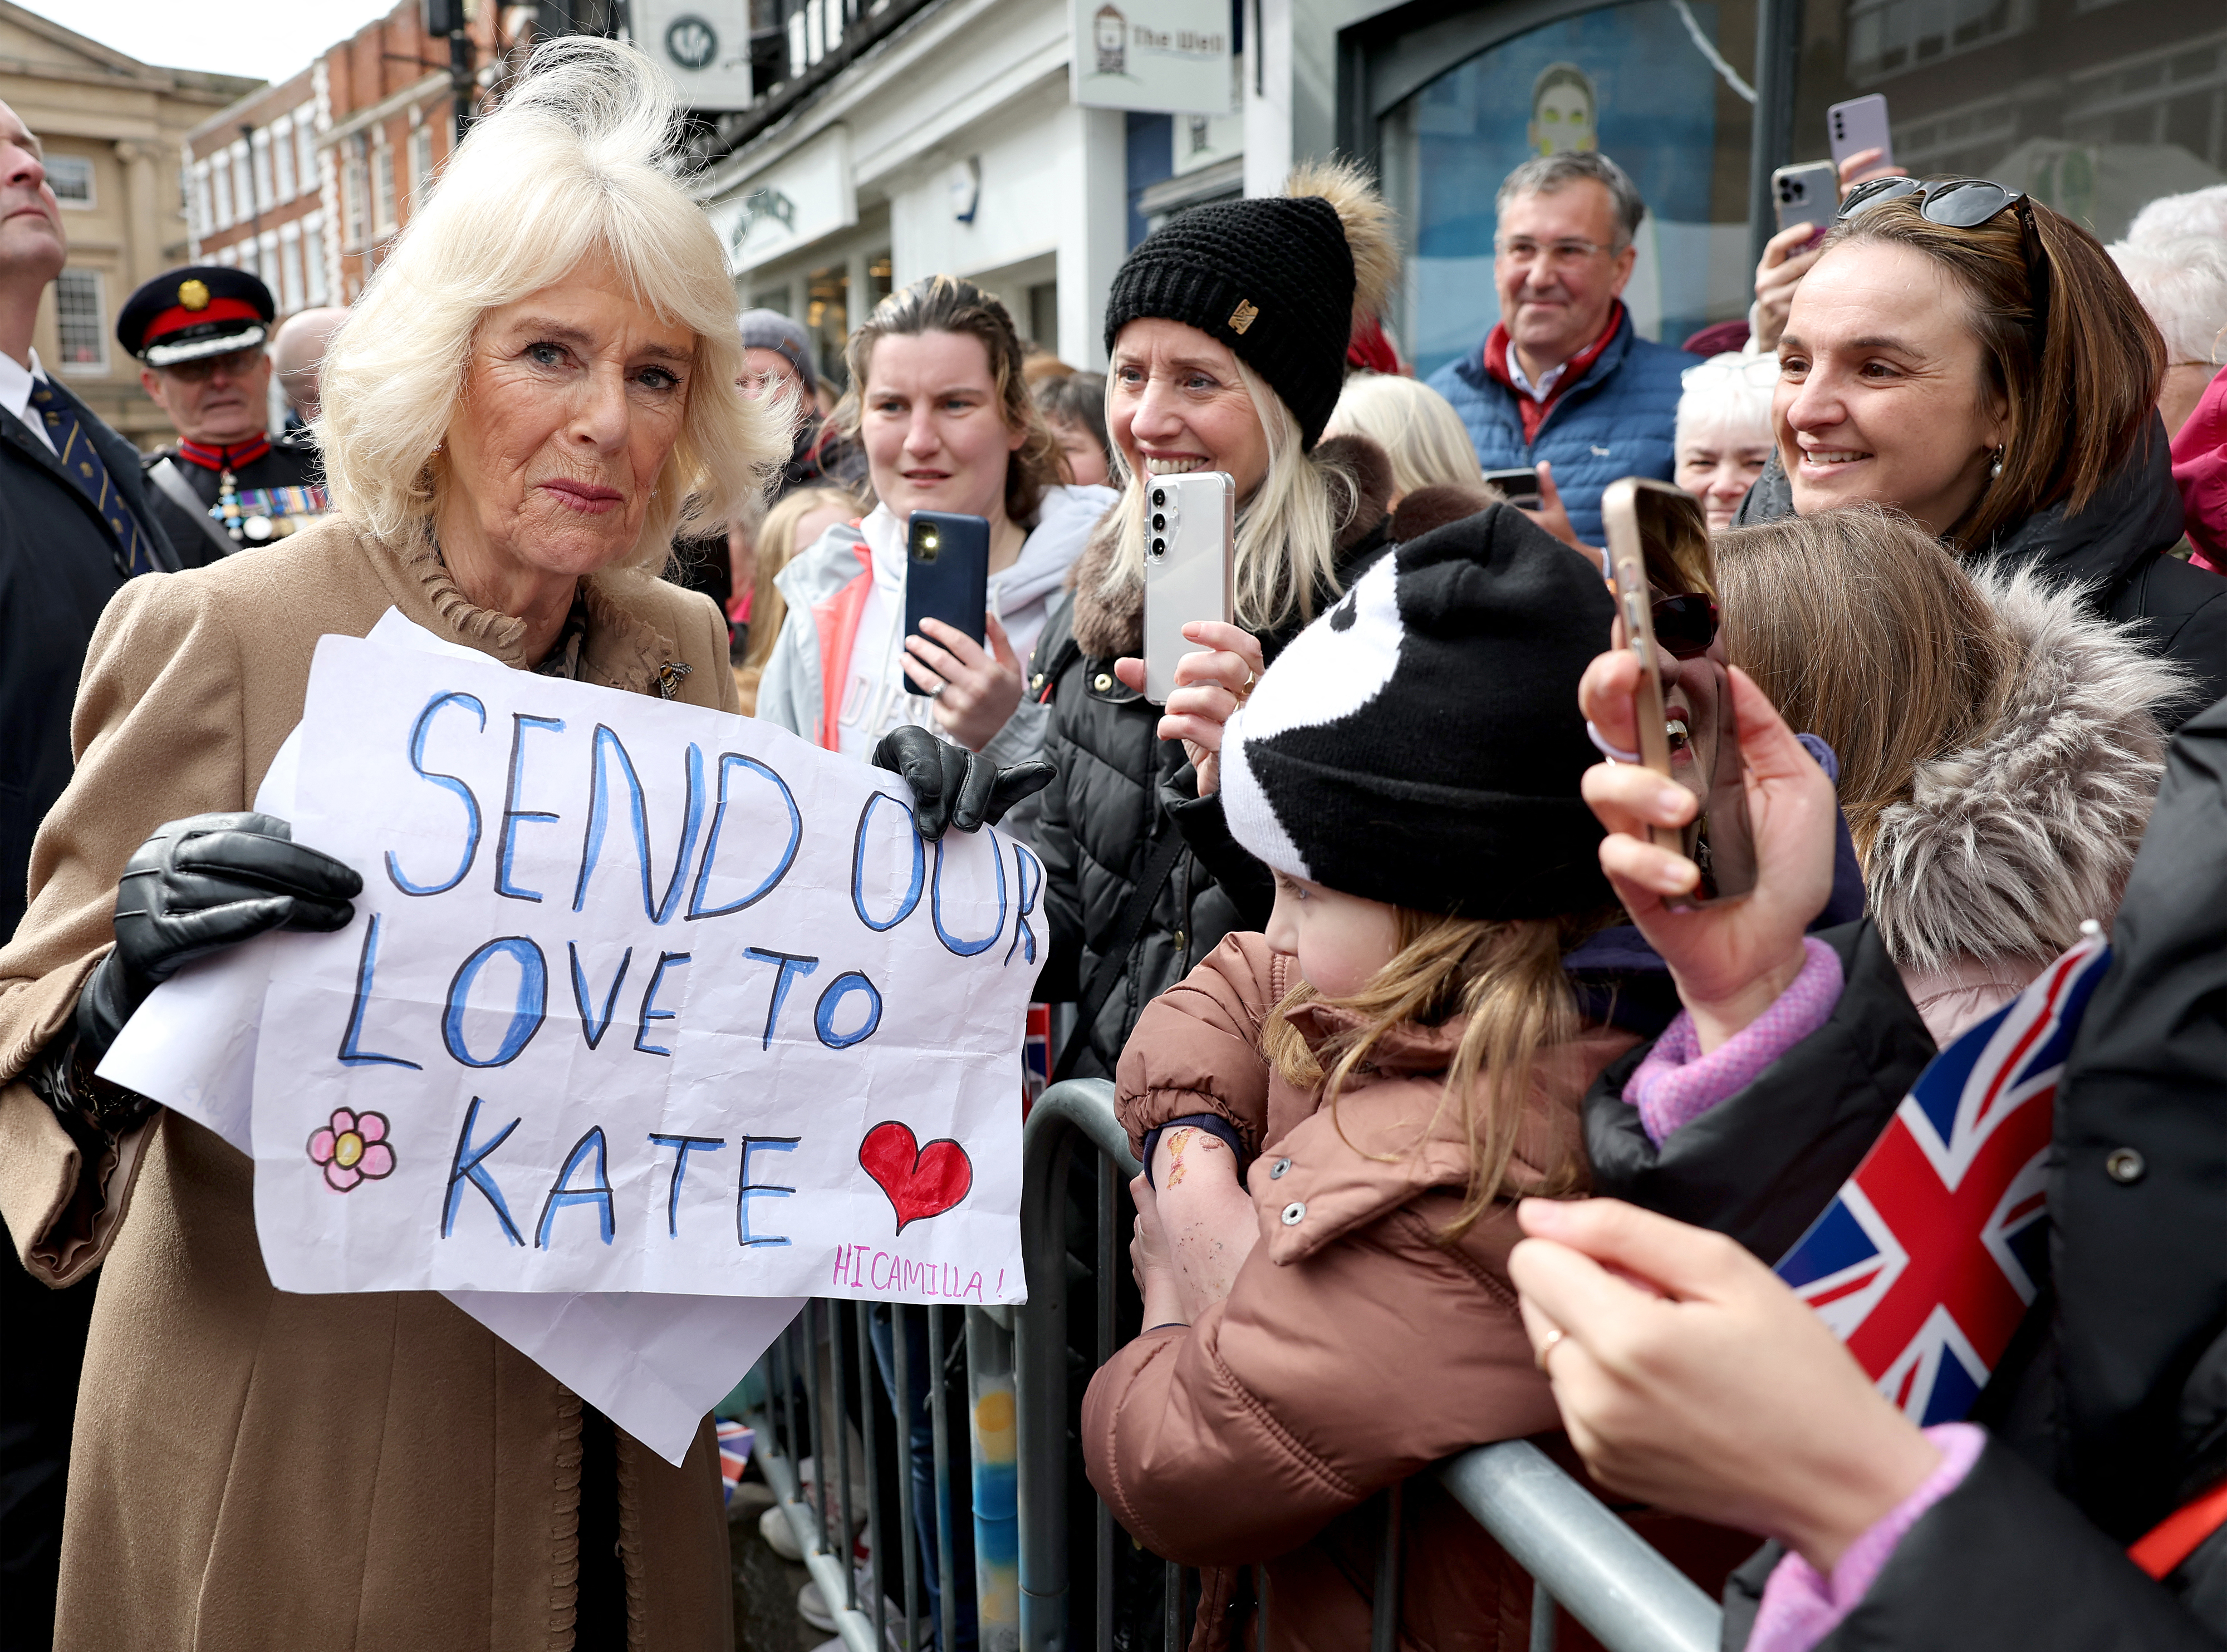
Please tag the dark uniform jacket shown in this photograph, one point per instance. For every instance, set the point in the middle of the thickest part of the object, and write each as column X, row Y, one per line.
column 1120, row 790
column 291, row 462
column 59, row 565
column 2121, row 547
column 2109, row 1409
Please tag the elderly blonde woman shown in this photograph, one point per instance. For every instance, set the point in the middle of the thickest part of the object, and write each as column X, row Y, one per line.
column 1227, row 329
column 537, row 390
column 1417, row 428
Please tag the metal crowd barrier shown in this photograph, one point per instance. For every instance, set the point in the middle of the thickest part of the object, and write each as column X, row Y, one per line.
column 1014, row 1504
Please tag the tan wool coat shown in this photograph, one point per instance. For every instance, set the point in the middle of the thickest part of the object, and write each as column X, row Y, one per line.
column 1357, row 1346
column 253, row 1468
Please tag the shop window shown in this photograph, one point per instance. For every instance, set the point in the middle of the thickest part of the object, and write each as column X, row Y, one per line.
column 81, row 317
column 880, row 279
column 1625, row 80
column 2095, row 108
column 827, row 318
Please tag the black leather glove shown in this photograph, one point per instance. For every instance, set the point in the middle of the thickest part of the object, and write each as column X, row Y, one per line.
column 198, row 885
column 952, row 786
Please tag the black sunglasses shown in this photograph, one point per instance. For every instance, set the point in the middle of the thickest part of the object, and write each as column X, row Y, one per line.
column 1684, row 626
column 1967, row 203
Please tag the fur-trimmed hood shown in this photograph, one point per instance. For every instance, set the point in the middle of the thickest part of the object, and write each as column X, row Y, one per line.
column 1111, row 624
column 2009, row 844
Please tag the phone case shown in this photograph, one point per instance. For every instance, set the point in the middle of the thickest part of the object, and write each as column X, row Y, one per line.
column 1189, row 537
column 946, row 571
column 1859, row 124
column 1809, row 193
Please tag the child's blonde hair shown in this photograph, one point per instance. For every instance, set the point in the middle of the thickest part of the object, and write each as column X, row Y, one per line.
column 1507, row 978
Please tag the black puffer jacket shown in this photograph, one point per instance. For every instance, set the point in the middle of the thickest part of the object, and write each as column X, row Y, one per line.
column 2119, row 546
column 2109, row 1408
column 1120, row 790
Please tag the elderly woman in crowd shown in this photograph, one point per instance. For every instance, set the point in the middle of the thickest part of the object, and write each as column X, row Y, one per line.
column 2182, row 285
column 1975, row 361
column 536, row 392
column 1223, row 359
column 1724, row 431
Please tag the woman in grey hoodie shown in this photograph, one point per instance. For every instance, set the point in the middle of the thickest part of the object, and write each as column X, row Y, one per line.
column 1999, row 743
column 939, row 403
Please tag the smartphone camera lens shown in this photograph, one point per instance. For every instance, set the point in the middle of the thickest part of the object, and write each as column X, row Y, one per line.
column 1159, row 497
column 1159, row 547
column 1159, row 523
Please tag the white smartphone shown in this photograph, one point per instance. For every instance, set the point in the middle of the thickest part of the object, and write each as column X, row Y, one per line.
column 1190, row 532
column 1809, row 193
column 1859, row 124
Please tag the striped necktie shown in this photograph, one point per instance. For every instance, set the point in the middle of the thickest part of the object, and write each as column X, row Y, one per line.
column 74, row 447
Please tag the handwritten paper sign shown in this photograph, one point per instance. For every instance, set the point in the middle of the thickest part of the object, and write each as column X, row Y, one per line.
column 638, row 997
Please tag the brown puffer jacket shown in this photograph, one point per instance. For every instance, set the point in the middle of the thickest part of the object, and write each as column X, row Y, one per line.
column 1355, row 1349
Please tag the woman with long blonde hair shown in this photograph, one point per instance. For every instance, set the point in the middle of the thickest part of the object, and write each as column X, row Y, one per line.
column 1227, row 329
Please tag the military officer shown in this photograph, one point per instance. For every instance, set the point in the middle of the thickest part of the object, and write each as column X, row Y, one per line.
column 226, row 486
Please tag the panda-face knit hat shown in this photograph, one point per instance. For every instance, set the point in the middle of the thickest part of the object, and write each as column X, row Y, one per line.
column 1277, row 279
column 1421, row 743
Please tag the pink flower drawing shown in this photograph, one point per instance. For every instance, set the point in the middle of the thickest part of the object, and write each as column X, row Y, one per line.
column 352, row 1148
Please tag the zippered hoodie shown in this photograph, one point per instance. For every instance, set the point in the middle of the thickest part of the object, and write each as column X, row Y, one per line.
column 832, row 585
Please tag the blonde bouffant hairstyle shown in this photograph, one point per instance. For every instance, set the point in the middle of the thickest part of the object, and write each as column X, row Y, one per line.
column 579, row 163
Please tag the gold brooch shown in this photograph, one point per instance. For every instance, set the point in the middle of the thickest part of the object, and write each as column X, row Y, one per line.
column 1243, row 317
column 194, row 295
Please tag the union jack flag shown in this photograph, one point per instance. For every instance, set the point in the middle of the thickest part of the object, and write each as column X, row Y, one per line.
column 735, row 1442
column 1926, row 1260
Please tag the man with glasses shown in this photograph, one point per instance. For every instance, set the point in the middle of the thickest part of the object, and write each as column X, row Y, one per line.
column 199, row 333
column 1564, row 384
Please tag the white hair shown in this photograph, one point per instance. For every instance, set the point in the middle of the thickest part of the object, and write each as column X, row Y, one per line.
column 1286, row 557
column 579, row 163
column 1418, row 427
column 2173, row 218
column 2183, row 285
column 1720, row 399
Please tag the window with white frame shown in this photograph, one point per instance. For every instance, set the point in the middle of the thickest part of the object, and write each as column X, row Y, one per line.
column 382, row 189
column 290, row 270
column 265, row 196
column 282, row 158
column 72, row 178
column 81, row 318
column 243, row 185
column 305, row 148
column 313, row 256
column 421, row 166
column 354, row 182
column 220, row 176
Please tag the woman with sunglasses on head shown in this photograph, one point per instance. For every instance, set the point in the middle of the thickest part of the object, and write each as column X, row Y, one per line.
column 1973, row 360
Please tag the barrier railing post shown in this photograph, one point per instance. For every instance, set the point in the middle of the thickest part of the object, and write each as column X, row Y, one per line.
column 1083, row 1106
column 1583, row 1559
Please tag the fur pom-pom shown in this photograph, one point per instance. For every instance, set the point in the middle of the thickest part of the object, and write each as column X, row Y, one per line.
column 1367, row 220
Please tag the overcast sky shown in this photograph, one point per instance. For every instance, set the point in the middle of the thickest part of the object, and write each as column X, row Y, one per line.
column 267, row 39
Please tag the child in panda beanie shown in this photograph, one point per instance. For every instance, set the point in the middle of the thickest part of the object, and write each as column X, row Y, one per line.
column 1336, row 1117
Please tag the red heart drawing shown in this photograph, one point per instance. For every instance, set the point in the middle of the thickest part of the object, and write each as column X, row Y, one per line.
column 920, row 1182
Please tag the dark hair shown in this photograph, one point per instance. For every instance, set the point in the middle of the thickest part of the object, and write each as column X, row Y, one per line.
column 2077, row 408
column 947, row 304
column 1077, row 398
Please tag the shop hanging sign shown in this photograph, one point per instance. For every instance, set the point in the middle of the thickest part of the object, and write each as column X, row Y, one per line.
column 639, row 997
column 1150, row 55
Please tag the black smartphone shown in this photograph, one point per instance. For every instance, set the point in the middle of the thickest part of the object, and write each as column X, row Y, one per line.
column 1520, row 485
column 946, row 571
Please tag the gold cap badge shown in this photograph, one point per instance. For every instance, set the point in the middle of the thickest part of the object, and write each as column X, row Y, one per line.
column 1243, row 317
column 194, row 295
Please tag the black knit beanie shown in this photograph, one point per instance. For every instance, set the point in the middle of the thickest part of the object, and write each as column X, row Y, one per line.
column 1272, row 277
column 1421, row 743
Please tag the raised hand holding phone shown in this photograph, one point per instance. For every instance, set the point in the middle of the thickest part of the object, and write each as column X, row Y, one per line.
column 1729, row 961
column 1211, row 683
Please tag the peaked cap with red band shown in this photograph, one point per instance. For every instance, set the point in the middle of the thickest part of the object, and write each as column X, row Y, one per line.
column 198, row 311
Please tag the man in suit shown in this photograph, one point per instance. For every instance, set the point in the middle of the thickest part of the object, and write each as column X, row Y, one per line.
column 74, row 525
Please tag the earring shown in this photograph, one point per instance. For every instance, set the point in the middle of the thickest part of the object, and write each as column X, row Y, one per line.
column 1995, row 470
